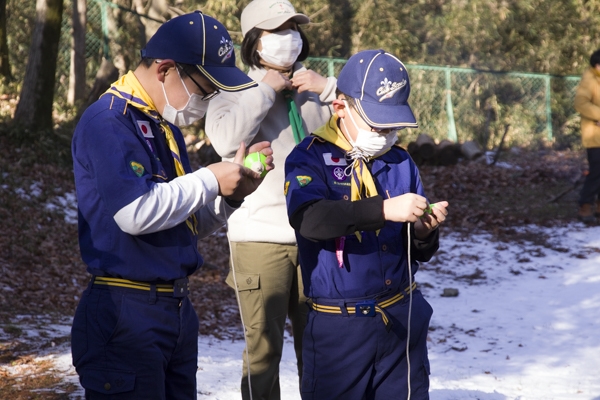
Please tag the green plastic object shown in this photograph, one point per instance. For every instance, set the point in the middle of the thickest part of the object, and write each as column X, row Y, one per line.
column 256, row 162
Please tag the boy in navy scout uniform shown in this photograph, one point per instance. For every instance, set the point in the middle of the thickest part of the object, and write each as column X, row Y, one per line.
column 362, row 222
column 142, row 210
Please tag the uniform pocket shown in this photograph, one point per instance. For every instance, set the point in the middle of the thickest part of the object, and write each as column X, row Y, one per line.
column 107, row 381
column 251, row 297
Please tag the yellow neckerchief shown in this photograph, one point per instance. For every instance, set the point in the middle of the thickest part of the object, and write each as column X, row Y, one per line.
column 130, row 89
column 361, row 176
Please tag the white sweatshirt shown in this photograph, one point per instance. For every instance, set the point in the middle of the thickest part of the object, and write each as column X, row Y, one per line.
column 255, row 115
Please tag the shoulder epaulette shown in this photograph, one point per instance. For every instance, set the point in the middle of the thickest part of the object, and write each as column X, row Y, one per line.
column 308, row 142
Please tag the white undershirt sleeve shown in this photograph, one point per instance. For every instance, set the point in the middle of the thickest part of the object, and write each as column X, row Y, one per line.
column 169, row 204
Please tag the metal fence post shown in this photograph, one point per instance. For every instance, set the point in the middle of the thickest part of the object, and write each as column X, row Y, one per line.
column 104, row 14
column 449, row 111
column 548, row 108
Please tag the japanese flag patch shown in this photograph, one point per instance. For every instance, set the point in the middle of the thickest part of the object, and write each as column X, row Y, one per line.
column 145, row 128
column 330, row 160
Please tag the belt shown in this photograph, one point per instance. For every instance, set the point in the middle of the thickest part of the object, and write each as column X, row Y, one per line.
column 365, row 308
column 177, row 288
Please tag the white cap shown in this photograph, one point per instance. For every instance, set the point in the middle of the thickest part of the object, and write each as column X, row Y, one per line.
column 269, row 14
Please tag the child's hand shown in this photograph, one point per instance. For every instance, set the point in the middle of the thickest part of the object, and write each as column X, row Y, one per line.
column 430, row 221
column 405, row 208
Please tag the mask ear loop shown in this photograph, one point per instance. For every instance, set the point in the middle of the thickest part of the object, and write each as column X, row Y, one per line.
column 356, row 153
column 185, row 87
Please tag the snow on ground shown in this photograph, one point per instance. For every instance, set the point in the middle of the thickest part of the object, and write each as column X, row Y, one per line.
column 525, row 324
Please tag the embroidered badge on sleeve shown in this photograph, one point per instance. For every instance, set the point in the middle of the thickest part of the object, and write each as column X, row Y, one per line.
column 303, row 180
column 286, row 186
column 137, row 168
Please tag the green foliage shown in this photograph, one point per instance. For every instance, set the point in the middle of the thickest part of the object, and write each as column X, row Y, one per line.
column 540, row 36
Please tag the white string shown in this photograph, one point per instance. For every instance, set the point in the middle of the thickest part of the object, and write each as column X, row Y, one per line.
column 410, row 283
column 237, row 297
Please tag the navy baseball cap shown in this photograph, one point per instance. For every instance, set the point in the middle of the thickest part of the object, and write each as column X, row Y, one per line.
column 199, row 40
column 379, row 84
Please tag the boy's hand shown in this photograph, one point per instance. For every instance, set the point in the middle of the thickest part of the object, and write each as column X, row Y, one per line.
column 405, row 208
column 237, row 181
column 309, row 81
column 431, row 221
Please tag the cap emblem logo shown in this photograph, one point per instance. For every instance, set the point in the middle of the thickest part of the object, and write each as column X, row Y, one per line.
column 282, row 8
column 388, row 88
column 226, row 49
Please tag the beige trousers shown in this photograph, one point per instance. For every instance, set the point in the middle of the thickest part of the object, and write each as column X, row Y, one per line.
column 270, row 289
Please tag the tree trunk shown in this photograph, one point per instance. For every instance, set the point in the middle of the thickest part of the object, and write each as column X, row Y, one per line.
column 4, row 63
column 34, row 110
column 76, row 91
column 107, row 74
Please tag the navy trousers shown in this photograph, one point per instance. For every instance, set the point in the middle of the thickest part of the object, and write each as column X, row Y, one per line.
column 591, row 186
column 129, row 344
column 354, row 357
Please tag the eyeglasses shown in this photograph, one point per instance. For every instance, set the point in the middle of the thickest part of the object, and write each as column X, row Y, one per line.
column 205, row 96
column 383, row 131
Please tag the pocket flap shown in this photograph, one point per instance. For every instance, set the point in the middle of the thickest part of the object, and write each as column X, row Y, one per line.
column 247, row 281
column 108, row 381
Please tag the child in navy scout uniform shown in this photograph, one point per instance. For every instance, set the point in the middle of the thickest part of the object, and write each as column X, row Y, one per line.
column 362, row 223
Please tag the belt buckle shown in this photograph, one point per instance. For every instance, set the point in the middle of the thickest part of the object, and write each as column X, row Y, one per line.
column 180, row 287
column 365, row 308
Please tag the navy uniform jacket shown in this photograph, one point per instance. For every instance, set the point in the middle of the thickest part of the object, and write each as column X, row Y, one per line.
column 378, row 264
column 119, row 153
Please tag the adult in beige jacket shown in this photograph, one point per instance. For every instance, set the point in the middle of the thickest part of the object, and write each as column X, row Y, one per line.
column 263, row 244
column 587, row 103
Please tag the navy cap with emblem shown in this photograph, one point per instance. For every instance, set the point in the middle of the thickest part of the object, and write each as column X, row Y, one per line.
column 379, row 84
column 200, row 40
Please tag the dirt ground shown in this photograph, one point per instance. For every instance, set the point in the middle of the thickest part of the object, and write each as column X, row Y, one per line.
column 42, row 273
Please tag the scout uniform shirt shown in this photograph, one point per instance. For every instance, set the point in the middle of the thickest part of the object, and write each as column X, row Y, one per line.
column 119, row 153
column 357, row 265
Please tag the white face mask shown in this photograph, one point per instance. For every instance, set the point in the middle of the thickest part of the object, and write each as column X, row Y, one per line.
column 281, row 48
column 370, row 143
column 194, row 109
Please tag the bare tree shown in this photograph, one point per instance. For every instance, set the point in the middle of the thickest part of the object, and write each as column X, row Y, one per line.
column 76, row 91
column 34, row 110
column 4, row 63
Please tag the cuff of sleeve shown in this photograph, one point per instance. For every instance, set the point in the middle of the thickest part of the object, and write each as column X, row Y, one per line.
column 369, row 213
column 328, row 94
column 268, row 91
column 429, row 241
column 233, row 203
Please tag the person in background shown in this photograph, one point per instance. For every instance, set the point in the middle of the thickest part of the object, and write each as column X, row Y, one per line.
column 363, row 222
column 288, row 102
column 587, row 104
column 142, row 210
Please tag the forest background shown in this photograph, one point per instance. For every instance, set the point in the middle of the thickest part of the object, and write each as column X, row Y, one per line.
column 57, row 56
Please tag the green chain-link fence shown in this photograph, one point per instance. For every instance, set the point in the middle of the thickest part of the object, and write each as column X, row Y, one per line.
column 450, row 103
